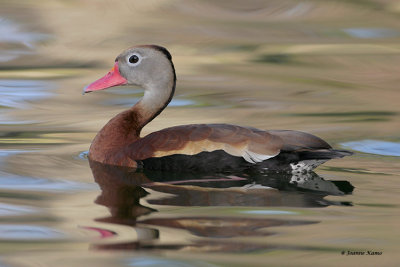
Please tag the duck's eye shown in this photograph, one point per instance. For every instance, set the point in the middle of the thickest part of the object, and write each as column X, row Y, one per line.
column 133, row 59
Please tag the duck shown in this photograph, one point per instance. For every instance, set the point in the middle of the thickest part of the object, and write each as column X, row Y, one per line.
column 194, row 147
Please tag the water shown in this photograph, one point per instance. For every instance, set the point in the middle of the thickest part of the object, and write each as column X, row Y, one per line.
column 325, row 67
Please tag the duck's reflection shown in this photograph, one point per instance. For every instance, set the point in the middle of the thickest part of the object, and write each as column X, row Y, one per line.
column 122, row 189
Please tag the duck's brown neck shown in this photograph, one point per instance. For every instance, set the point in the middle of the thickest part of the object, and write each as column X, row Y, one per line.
column 125, row 128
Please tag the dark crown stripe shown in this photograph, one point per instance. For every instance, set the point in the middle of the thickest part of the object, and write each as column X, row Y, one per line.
column 162, row 50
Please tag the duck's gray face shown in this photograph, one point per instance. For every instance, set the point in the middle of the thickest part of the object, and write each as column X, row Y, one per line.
column 135, row 66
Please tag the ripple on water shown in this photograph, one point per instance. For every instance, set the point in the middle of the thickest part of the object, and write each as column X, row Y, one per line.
column 21, row 42
column 16, row 182
column 28, row 232
column 268, row 212
column 15, row 210
column 4, row 153
column 17, row 93
column 129, row 101
column 128, row 96
column 371, row 33
column 83, row 155
column 377, row 147
column 155, row 262
column 9, row 152
column 10, row 181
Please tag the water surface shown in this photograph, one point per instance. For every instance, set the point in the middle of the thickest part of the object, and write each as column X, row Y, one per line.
column 325, row 67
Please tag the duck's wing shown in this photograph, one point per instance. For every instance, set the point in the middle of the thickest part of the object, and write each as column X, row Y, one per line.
column 252, row 144
column 307, row 146
column 295, row 140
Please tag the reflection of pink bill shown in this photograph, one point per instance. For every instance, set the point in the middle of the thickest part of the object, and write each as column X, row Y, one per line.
column 104, row 233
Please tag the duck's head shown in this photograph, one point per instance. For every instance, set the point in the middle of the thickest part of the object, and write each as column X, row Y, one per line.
column 147, row 66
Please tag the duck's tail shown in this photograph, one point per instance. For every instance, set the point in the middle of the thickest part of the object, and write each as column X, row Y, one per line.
column 323, row 154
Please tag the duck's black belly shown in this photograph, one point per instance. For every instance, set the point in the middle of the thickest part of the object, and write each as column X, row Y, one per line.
column 217, row 161
column 220, row 161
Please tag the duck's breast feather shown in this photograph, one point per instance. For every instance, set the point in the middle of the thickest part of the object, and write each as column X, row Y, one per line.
column 252, row 144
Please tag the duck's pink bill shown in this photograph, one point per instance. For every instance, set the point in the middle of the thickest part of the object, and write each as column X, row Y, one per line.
column 112, row 78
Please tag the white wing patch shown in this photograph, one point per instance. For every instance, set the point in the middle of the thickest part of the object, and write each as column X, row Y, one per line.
column 244, row 152
column 193, row 148
column 253, row 157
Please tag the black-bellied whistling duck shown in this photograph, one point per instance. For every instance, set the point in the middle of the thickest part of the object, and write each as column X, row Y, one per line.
column 195, row 147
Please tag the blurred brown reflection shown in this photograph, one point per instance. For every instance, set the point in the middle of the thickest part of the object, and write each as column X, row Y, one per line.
column 122, row 188
column 215, row 227
column 120, row 192
column 307, row 190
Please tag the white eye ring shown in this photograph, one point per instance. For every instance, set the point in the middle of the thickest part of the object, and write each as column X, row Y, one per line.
column 133, row 59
